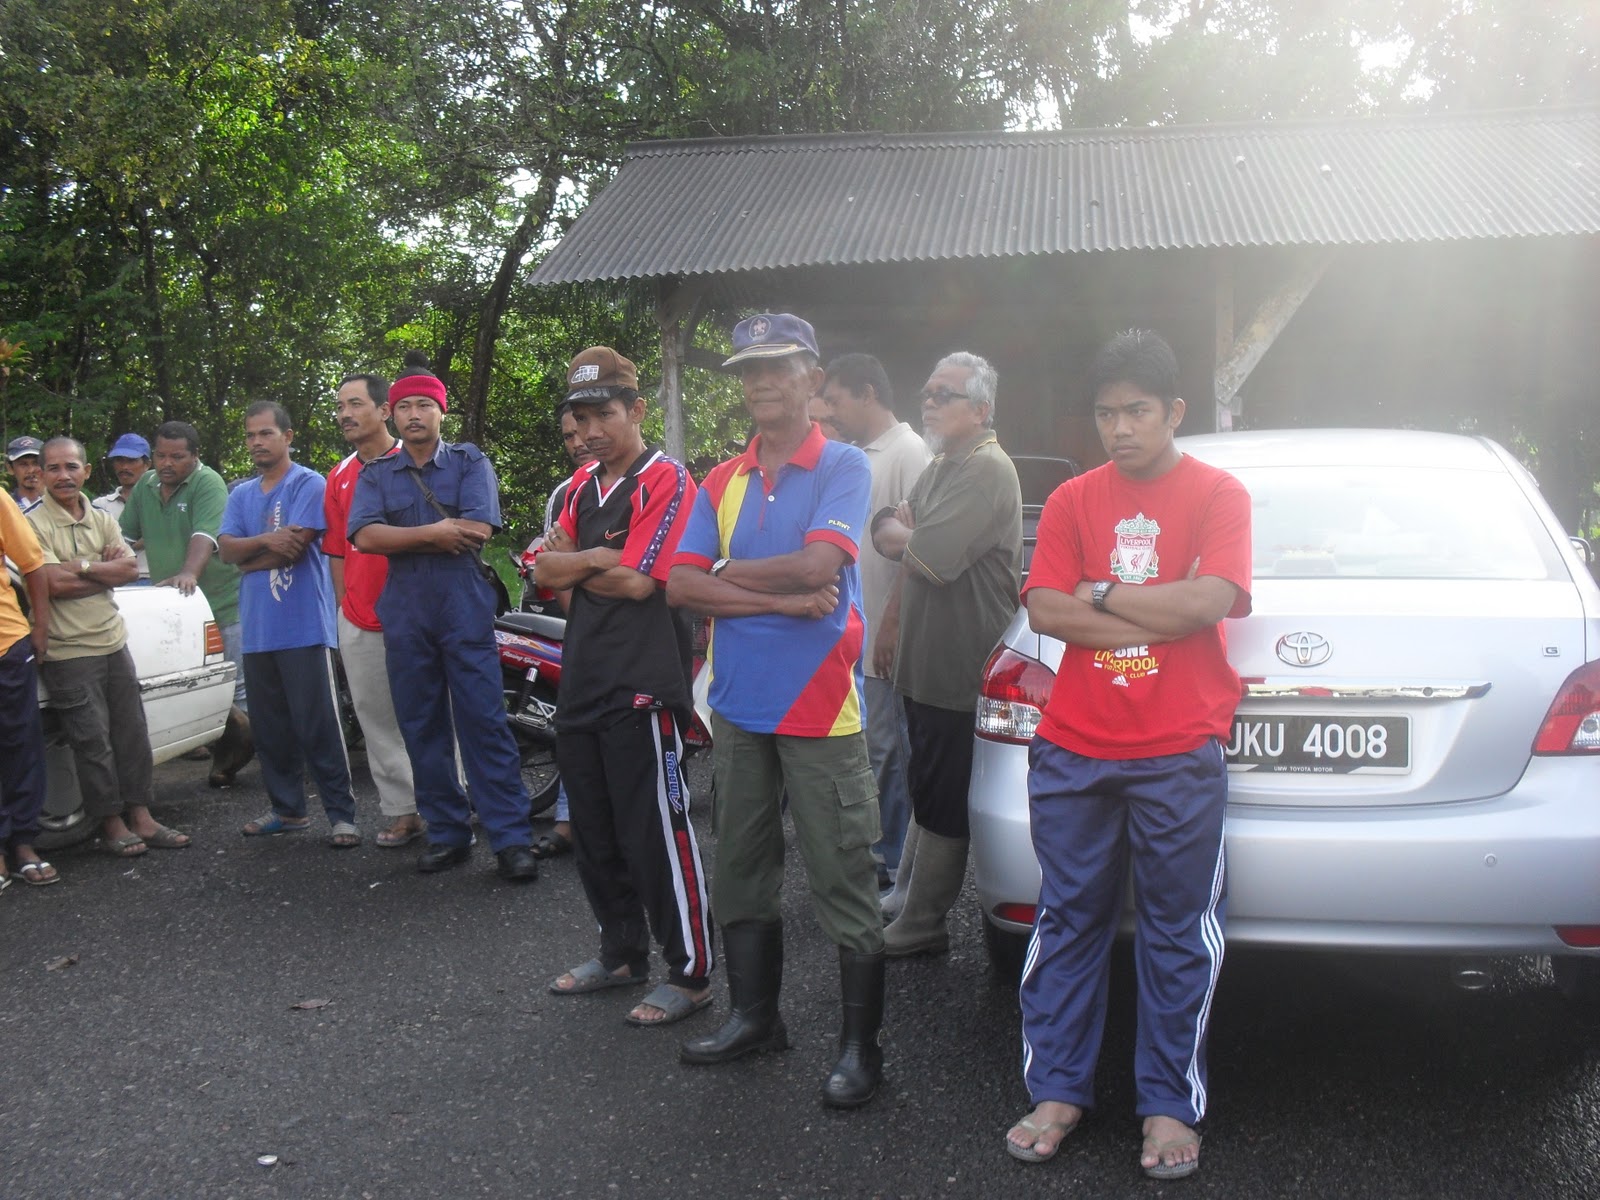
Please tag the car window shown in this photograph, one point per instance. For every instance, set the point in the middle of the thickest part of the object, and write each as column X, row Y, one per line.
column 1359, row 522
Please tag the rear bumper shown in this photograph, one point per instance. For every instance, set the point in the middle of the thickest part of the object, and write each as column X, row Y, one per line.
column 185, row 709
column 1492, row 876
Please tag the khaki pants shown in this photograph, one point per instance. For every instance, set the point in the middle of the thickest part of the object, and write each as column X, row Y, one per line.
column 98, row 701
column 833, row 800
column 368, row 676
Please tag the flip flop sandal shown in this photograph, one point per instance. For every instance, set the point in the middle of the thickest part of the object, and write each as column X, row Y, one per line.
column 33, row 874
column 388, row 838
column 593, row 977
column 1179, row 1170
column 1027, row 1153
column 674, row 1006
column 272, row 824
column 344, row 836
column 167, row 839
column 552, row 845
column 129, row 845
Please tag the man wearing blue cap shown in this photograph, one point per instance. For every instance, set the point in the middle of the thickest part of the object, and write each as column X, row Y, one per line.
column 127, row 460
column 770, row 552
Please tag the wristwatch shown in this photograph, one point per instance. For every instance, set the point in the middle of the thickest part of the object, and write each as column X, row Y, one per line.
column 1101, row 591
column 83, row 568
column 720, row 565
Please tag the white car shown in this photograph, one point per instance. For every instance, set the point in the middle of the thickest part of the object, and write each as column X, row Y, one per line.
column 1415, row 764
column 186, row 685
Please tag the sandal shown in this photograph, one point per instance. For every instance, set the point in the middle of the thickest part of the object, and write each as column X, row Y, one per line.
column 38, row 874
column 675, row 1005
column 344, row 836
column 165, row 839
column 593, row 977
column 273, row 824
column 1036, row 1130
column 552, row 845
column 129, row 845
column 399, row 835
column 1165, row 1170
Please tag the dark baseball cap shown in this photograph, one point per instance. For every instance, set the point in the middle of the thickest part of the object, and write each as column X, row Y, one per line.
column 599, row 373
column 771, row 335
column 22, row 447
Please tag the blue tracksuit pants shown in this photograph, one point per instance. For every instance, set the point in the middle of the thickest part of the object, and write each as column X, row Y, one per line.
column 444, row 673
column 1094, row 821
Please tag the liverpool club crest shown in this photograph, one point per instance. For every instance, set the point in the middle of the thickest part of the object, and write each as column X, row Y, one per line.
column 1135, row 559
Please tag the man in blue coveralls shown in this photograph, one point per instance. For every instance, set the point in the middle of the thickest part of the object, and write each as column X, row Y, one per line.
column 430, row 510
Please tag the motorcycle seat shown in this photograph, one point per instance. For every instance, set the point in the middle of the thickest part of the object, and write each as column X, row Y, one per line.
column 552, row 629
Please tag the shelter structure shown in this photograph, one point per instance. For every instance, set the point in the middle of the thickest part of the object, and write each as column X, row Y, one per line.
column 1439, row 271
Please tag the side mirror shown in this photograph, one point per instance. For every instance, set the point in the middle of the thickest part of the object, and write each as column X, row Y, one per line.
column 1584, row 549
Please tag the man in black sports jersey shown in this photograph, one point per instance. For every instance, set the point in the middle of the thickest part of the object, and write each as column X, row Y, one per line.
column 625, row 695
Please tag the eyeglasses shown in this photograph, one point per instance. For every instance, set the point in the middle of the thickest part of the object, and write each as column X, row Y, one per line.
column 943, row 396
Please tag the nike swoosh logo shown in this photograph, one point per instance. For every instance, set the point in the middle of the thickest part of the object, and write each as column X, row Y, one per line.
column 608, row 535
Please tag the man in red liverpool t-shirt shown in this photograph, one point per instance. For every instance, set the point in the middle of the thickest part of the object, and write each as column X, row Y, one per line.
column 362, row 409
column 1137, row 564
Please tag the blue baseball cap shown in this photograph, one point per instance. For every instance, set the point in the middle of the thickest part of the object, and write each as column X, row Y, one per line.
column 772, row 335
column 129, row 445
column 22, row 447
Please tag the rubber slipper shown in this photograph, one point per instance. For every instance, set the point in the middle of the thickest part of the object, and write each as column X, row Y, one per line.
column 272, row 824
column 344, row 836
column 129, row 845
column 1027, row 1153
column 552, row 845
column 389, row 838
column 674, row 1006
column 593, row 977
column 166, row 839
column 33, row 874
column 1178, row 1170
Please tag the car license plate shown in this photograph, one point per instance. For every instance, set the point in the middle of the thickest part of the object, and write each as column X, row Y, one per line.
column 1312, row 744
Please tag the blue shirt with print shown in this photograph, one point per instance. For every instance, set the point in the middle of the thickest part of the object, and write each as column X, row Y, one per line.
column 287, row 607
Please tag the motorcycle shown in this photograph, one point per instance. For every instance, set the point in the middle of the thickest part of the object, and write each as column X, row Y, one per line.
column 529, row 644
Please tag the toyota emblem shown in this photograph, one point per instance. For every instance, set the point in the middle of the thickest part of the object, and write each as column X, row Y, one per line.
column 1304, row 649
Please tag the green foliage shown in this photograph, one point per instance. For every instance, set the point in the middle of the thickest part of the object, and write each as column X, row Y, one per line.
column 204, row 203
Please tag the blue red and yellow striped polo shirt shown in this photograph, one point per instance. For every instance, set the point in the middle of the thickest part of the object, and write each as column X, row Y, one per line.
column 776, row 674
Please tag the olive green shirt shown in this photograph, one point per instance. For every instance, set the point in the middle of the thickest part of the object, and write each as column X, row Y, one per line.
column 83, row 626
column 962, row 570
column 166, row 526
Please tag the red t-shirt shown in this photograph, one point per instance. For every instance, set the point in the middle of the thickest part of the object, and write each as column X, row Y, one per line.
column 1166, row 698
column 364, row 574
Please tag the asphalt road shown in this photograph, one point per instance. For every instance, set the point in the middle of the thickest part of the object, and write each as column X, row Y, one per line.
column 168, row 1057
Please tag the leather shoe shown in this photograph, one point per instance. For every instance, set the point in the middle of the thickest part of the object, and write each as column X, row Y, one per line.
column 441, row 857
column 518, row 864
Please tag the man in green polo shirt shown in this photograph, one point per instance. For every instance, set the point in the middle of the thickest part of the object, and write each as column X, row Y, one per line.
column 176, row 510
column 958, row 539
column 94, row 688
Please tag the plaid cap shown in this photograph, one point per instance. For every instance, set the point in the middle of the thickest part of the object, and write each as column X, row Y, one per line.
column 599, row 373
column 771, row 335
column 22, row 447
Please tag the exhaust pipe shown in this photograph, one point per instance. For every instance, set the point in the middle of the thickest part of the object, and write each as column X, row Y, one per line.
column 1472, row 974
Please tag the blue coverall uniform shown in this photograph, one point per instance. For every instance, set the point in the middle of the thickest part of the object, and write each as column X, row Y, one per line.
column 438, row 633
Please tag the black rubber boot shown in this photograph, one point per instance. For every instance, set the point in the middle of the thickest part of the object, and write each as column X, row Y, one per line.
column 855, row 1077
column 752, row 955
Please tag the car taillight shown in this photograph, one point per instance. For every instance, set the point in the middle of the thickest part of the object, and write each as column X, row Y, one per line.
column 213, row 639
column 1015, row 690
column 1572, row 726
column 1586, row 937
column 1017, row 914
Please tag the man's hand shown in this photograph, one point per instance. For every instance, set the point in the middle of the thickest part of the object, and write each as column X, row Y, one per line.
column 811, row 605
column 114, row 551
column 183, row 581
column 884, row 645
column 455, row 536
column 288, row 543
column 559, row 540
column 902, row 513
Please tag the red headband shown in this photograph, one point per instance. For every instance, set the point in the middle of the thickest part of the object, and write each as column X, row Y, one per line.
column 419, row 385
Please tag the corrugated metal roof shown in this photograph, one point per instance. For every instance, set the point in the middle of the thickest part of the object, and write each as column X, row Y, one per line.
column 746, row 204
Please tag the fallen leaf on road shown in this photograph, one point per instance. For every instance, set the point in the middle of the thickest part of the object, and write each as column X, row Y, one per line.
column 61, row 964
column 311, row 1004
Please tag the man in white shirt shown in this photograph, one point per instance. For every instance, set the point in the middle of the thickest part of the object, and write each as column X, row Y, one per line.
column 860, row 403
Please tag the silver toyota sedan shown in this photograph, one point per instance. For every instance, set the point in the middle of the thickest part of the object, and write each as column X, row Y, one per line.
column 1415, row 765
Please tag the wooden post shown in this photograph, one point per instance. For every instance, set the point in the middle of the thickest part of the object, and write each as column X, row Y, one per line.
column 674, row 302
column 1265, row 324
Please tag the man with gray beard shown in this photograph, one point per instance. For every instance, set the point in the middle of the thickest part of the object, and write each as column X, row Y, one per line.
column 958, row 540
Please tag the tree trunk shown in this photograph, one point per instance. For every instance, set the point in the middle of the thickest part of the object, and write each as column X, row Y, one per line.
column 152, row 301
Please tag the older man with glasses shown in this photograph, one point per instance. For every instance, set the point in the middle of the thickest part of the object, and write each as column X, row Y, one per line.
column 958, row 540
